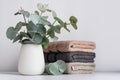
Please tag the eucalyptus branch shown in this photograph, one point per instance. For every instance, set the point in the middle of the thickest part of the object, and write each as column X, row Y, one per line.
column 24, row 16
column 67, row 23
column 54, row 22
column 35, row 34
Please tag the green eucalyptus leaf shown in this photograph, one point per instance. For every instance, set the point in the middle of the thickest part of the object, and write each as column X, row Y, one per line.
column 24, row 34
column 17, row 13
column 61, row 65
column 51, row 33
column 73, row 21
column 36, row 12
column 62, row 23
column 31, row 26
column 18, row 37
column 26, row 14
column 45, row 42
column 35, row 18
column 47, row 68
column 37, row 33
column 54, row 69
column 54, row 14
column 44, row 21
column 57, row 29
column 55, row 38
column 11, row 33
column 42, row 7
column 59, row 21
column 37, row 38
column 30, row 34
column 41, row 29
column 27, row 41
column 65, row 27
column 19, row 25
column 74, row 25
column 45, row 17
column 49, row 10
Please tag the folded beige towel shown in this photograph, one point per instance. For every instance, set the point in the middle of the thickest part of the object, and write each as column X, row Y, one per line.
column 80, row 72
column 77, row 67
column 66, row 46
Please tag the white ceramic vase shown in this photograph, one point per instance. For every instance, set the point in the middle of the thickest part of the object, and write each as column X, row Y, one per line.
column 31, row 60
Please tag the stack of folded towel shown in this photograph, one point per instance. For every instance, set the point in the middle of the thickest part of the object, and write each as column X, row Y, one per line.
column 78, row 55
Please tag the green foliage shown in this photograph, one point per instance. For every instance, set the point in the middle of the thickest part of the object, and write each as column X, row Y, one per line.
column 42, row 7
column 51, row 33
column 59, row 21
column 56, row 68
column 45, row 42
column 73, row 21
column 54, row 14
column 11, row 33
column 36, row 27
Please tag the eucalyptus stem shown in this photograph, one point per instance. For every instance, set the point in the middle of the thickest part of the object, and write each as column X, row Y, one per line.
column 38, row 29
column 53, row 22
column 33, row 36
column 24, row 17
column 68, row 23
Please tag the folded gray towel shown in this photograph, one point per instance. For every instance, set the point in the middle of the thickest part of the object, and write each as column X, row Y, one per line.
column 70, row 56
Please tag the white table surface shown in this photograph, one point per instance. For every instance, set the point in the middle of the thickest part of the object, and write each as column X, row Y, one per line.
column 94, row 76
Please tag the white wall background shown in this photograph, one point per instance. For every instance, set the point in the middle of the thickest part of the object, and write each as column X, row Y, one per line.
column 99, row 21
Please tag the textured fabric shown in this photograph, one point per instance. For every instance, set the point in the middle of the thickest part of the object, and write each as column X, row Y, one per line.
column 78, row 68
column 70, row 56
column 79, row 72
column 66, row 46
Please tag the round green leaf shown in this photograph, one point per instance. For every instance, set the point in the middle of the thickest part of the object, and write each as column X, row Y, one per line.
column 26, row 14
column 36, row 12
column 34, row 18
column 19, row 25
column 11, row 33
column 44, row 21
column 17, row 13
column 51, row 33
column 61, row 65
column 65, row 27
column 54, row 69
column 73, row 21
column 45, row 17
column 45, row 42
column 41, row 29
column 59, row 21
column 37, row 38
column 54, row 14
column 56, row 28
column 42, row 7
column 17, row 38
column 47, row 68
column 27, row 41
column 31, row 27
